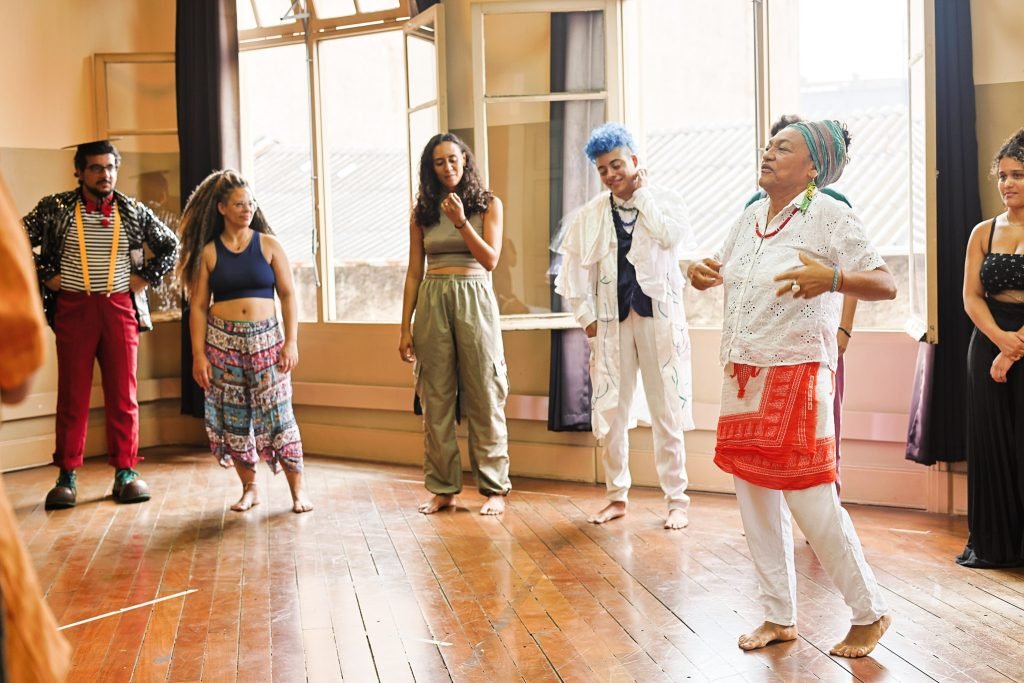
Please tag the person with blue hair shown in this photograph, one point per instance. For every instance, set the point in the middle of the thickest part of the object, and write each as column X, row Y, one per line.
column 620, row 272
column 786, row 265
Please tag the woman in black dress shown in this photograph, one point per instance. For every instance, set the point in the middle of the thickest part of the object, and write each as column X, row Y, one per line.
column 994, row 300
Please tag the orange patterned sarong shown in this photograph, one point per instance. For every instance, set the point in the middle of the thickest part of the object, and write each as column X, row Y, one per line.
column 776, row 429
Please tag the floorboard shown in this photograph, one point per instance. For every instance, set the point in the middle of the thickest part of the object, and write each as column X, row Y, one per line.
column 365, row 588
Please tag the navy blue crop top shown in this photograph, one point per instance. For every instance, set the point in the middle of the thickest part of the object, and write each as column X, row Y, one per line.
column 242, row 275
column 1000, row 272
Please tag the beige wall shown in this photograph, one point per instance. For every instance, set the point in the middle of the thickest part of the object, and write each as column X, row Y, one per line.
column 997, row 27
column 47, row 50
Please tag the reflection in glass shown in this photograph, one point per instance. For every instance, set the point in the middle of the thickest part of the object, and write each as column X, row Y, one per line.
column 539, row 171
column 367, row 160
column 519, row 48
column 141, row 96
column 277, row 157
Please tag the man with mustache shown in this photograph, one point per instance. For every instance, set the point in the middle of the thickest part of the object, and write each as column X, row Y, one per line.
column 88, row 247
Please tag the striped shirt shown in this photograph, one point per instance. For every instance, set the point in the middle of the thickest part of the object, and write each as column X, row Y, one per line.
column 99, row 239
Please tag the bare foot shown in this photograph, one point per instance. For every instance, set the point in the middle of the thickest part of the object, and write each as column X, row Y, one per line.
column 439, row 501
column 677, row 519
column 495, row 505
column 250, row 498
column 612, row 510
column 765, row 634
column 861, row 640
column 300, row 502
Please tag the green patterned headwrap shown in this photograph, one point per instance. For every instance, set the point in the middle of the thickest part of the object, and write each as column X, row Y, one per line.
column 827, row 146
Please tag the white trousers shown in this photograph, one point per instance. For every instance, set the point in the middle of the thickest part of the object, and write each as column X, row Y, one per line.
column 769, row 528
column 637, row 351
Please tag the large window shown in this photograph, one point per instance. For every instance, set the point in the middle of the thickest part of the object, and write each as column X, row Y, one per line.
column 819, row 68
column 699, row 137
column 700, row 103
column 366, row 173
column 338, row 98
column 277, row 158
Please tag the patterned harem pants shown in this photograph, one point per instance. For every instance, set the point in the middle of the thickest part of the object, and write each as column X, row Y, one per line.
column 249, row 404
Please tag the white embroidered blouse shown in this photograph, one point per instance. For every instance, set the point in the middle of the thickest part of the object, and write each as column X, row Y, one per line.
column 763, row 329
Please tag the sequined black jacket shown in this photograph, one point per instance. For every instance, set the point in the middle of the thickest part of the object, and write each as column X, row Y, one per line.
column 49, row 224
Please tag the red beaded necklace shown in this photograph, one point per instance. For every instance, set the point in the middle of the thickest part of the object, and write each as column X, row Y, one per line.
column 776, row 231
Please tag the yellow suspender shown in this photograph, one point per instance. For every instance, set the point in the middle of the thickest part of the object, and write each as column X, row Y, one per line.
column 84, row 256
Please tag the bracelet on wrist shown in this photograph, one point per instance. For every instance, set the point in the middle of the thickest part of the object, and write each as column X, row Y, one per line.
column 835, row 279
column 464, row 224
column 845, row 331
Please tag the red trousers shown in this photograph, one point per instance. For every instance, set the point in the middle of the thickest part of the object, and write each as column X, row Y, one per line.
column 93, row 327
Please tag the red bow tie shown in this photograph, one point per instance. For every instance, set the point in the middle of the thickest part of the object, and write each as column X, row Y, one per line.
column 104, row 206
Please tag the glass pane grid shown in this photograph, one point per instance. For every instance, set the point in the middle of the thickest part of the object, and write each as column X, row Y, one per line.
column 869, row 92
column 279, row 164
column 366, row 150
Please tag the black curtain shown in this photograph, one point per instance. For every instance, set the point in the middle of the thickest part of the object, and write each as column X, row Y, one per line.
column 571, row 57
column 206, row 71
column 937, row 427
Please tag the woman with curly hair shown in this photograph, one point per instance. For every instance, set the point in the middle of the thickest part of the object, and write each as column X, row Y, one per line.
column 994, row 301
column 455, row 342
column 240, row 355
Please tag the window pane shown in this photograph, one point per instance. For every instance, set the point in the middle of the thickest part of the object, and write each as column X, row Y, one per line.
column 538, row 169
column 520, row 49
column 377, row 5
column 246, row 17
column 269, row 12
column 151, row 172
column 368, row 179
column 834, row 77
column 276, row 156
column 423, row 125
column 326, row 9
column 703, row 147
column 141, row 96
column 422, row 65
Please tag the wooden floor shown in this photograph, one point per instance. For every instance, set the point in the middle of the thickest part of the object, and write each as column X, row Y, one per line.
column 365, row 588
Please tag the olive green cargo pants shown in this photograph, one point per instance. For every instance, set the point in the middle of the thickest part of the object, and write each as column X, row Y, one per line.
column 459, row 352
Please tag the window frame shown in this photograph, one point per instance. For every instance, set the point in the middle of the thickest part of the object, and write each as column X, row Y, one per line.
column 612, row 93
column 312, row 32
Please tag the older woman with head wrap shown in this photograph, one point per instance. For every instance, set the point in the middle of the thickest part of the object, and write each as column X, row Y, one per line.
column 786, row 264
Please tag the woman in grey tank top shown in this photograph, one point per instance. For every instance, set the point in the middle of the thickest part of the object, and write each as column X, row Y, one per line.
column 455, row 341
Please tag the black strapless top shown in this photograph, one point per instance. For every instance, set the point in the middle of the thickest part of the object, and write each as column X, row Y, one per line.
column 1000, row 272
